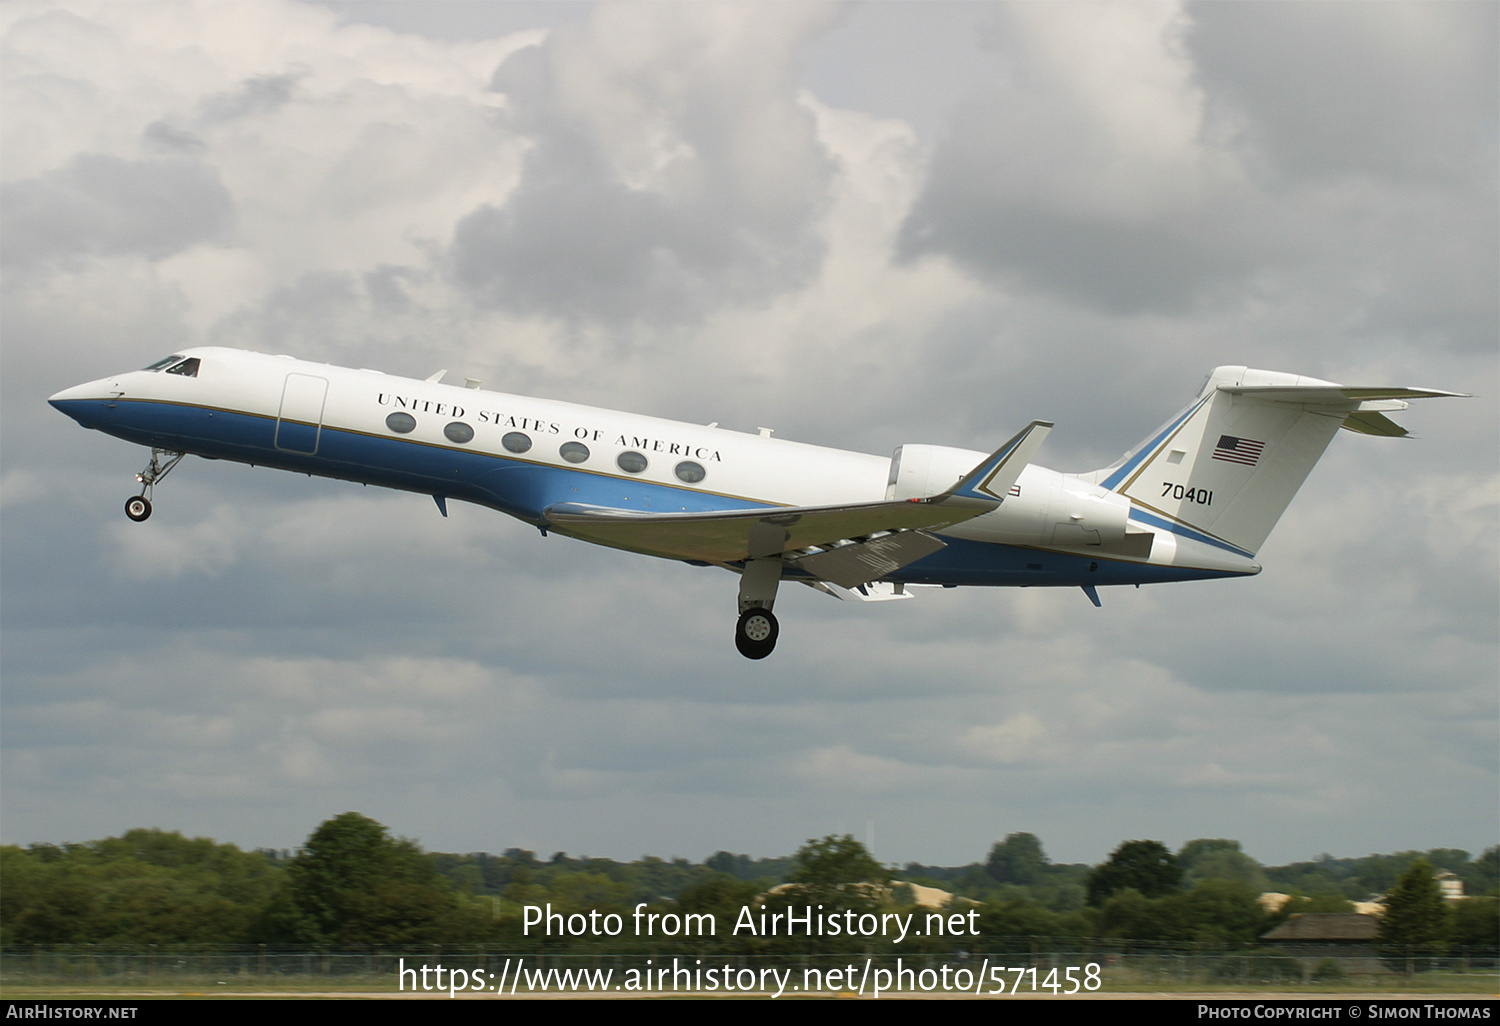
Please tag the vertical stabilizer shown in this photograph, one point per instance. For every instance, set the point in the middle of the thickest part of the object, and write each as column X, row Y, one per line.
column 1228, row 465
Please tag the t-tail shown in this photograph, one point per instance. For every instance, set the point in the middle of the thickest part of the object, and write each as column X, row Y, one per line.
column 1225, row 469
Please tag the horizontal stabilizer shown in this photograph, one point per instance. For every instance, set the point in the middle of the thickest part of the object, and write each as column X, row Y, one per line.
column 1326, row 394
column 1363, row 405
column 1372, row 423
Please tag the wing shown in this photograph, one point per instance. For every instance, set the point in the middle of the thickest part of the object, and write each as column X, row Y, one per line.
column 848, row 544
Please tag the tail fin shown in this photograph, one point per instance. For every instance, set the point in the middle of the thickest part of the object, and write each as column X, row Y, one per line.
column 1229, row 464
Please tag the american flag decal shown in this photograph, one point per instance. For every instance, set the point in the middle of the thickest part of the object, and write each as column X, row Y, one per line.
column 1245, row 451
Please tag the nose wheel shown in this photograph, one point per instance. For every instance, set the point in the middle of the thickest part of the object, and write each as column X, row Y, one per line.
column 755, row 634
column 138, row 507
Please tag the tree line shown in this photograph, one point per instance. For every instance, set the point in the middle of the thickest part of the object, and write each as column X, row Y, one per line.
column 353, row 885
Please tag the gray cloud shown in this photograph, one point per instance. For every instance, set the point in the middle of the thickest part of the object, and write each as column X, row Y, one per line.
column 1119, row 266
column 1232, row 150
column 164, row 137
column 1403, row 91
column 712, row 197
column 262, row 94
column 103, row 205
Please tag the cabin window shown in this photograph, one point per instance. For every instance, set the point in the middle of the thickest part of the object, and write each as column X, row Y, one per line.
column 631, row 462
column 401, row 423
column 574, row 452
column 515, row 441
column 163, row 363
column 689, row 472
column 187, row 368
column 458, row 432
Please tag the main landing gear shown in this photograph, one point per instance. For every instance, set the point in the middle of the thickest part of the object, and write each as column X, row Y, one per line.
column 138, row 507
column 755, row 633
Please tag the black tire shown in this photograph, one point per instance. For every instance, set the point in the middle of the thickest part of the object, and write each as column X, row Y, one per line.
column 137, row 508
column 755, row 634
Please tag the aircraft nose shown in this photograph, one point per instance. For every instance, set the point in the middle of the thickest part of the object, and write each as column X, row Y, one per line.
column 82, row 402
column 87, row 390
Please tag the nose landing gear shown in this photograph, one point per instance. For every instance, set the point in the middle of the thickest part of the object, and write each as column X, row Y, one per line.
column 138, row 507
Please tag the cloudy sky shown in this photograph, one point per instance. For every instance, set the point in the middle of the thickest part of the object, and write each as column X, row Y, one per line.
column 861, row 225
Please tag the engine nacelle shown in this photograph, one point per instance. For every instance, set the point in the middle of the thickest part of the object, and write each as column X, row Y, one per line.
column 1044, row 508
column 1087, row 517
column 1047, row 508
column 918, row 471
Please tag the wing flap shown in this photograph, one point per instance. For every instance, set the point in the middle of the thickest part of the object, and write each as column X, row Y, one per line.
column 876, row 591
column 729, row 536
column 732, row 535
column 858, row 563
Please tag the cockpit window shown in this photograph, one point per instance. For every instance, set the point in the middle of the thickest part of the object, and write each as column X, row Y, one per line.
column 188, row 367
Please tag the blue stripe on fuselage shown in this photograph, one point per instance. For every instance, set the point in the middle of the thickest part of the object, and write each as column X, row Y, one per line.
column 518, row 487
column 1120, row 473
column 978, row 563
column 524, row 489
column 1141, row 516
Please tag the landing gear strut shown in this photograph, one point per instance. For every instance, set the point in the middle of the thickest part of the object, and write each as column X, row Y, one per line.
column 138, row 507
column 755, row 633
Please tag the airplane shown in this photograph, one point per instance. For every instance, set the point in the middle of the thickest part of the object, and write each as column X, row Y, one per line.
column 1194, row 501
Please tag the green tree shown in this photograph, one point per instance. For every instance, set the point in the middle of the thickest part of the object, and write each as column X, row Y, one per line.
column 1483, row 876
column 1018, row 859
column 836, row 872
column 723, row 897
column 1014, row 924
column 835, row 861
column 1146, row 866
column 1416, row 920
column 1226, row 912
column 1128, row 914
column 147, row 887
column 1476, row 926
column 1218, row 858
column 353, row 885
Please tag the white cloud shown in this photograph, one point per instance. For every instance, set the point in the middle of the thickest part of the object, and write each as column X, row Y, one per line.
column 663, row 215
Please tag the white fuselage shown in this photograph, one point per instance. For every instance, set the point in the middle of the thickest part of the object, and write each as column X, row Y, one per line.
column 523, row 455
